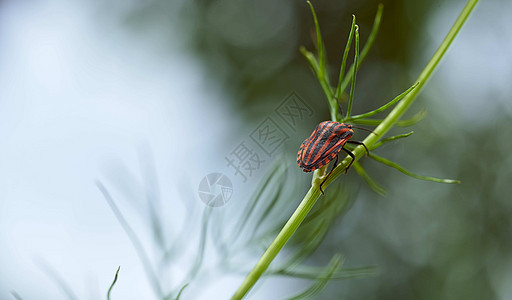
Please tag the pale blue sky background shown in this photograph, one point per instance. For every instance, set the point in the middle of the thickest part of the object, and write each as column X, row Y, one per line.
column 79, row 95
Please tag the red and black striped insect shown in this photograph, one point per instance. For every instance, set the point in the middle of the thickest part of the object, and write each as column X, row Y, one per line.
column 324, row 144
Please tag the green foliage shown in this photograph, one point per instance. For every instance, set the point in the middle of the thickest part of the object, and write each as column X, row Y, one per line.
column 354, row 73
column 401, row 169
column 181, row 291
column 402, row 102
column 135, row 240
column 261, row 220
column 382, row 108
column 372, row 183
column 339, row 90
column 402, row 123
column 322, row 279
column 113, row 283
column 391, row 138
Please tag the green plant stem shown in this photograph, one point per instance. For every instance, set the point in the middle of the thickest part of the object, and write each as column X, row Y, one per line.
column 284, row 235
column 366, row 48
column 113, row 283
column 311, row 197
column 344, row 60
column 354, row 73
column 321, row 71
column 382, row 108
column 403, row 105
column 401, row 169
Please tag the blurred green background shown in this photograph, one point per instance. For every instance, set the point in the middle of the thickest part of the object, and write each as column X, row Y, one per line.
column 429, row 241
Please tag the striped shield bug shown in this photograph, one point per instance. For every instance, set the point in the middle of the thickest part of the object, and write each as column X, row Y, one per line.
column 324, row 144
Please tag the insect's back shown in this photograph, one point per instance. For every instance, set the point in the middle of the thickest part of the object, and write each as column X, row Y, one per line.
column 323, row 145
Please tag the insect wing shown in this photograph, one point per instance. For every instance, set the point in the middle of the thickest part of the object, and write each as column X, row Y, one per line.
column 323, row 145
column 311, row 141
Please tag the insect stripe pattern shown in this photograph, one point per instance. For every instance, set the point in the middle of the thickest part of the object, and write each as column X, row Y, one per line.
column 323, row 145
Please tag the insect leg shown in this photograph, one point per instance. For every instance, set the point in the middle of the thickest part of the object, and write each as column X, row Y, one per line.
column 333, row 166
column 360, row 143
column 351, row 155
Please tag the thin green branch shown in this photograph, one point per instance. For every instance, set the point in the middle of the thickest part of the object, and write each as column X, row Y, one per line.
column 314, row 238
column 354, row 73
column 322, row 79
column 417, row 117
column 374, row 185
column 322, row 280
column 269, row 206
column 368, row 45
column 333, row 206
column 137, row 244
column 315, row 273
column 113, row 283
column 320, row 44
column 389, row 163
column 320, row 66
column 274, row 174
column 312, row 195
column 337, row 95
column 402, row 123
column 181, row 291
column 284, row 235
column 310, row 57
column 403, row 105
column 392, row 138
column 202, row 245
column 384, row 107
column 198, row 262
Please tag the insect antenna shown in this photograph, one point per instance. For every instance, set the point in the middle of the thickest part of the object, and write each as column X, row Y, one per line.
column 365, row 129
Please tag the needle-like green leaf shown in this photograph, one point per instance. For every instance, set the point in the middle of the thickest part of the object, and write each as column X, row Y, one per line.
column 384, row 107
column 337, row 95
column 403, row 123
column 354, row 73
column 367, row 46
column 403, row 170
column 311, row 197
column 310, row 57
column 319, row 42
column 374, row 185
column 113, row 283
column 202, row 245
column 137, row 244
column 273, row 175
column 181, row 291
column 322, row 280
column 316, row 273
column 392, row 138
column 321, row 65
